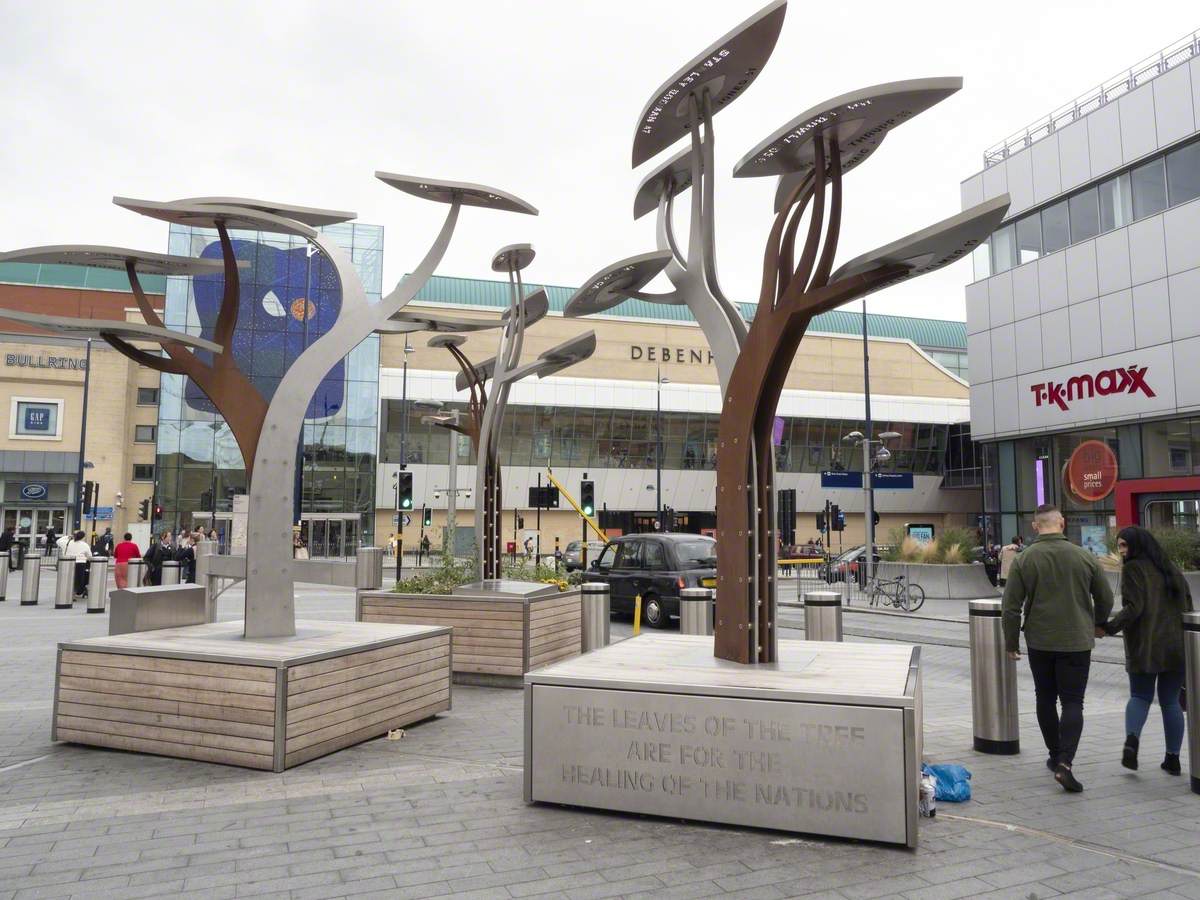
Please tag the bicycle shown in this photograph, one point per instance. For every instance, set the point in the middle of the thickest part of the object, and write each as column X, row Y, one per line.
column 896, row 592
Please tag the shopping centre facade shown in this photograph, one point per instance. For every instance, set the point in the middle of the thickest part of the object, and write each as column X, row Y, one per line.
column 155, row 439
column 1083, row 320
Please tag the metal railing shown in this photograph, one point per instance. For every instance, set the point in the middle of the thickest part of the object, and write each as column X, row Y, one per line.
column 1169, row 57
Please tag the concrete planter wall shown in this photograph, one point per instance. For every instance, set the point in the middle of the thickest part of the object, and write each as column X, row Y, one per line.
column 942, row 582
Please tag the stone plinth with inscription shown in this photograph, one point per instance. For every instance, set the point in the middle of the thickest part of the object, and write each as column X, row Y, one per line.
column 825, row 741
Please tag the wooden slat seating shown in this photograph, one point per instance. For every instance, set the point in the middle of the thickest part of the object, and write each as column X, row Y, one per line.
column 494, row 637
column 225, row 711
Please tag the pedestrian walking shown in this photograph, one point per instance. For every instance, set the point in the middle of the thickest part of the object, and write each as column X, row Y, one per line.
column 1008, row 553
column 186, row 554
column 156, row 554
column 1057, row 594
column 122, row 554
column 107, row 542
column 78, row 550
column 51, row 539
column 7, row 539
column 1154, row 596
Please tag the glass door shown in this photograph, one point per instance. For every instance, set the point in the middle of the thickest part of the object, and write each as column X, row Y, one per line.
column 333, row 538
column 316, row 546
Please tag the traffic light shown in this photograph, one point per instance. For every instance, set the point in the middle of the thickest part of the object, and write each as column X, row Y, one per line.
column 157, row 511
column 404, row 491
column 89, row 491
column 144, row 509
column 587, row 497
column 428, row 520
column 874, row 517
column 820, row 523
column 837, row 519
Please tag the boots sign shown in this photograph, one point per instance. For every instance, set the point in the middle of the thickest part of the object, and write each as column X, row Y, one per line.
column 1132, row 384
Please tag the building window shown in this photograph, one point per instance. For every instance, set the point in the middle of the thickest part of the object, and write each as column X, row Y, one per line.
column 143, row 471
column 1004, row 249
column 35, row 419
column 1116, row 203
column 1149, row 189
column 1056, row 227
column 1085, row 217
column 145, row 434
column 147, row 396
column 1183, row 174
column 1029, row 238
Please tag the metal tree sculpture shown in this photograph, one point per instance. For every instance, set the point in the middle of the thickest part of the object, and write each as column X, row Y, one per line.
column 485, row 424
column 269, row 451
column 811, row 154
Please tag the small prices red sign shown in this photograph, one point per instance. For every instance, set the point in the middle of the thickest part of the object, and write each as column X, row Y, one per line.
column 1092, row 471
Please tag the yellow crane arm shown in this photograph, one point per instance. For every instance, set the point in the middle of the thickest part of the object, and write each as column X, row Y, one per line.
column 565, row 493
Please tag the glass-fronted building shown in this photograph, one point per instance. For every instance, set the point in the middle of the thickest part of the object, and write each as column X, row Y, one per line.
column 289, row 297
column 1083, row 321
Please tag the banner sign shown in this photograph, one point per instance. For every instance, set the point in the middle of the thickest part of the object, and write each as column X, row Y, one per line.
column 880, row 481
column 841, row 480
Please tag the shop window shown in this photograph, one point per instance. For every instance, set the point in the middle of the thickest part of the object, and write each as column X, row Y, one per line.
column 35, row 419
column 1056, row 227
column 1085, row 216
column 1149, row 189
column 1116, row 203
column 144, row 434
column 147, row 396
column 1183, row 173
column 143, row 471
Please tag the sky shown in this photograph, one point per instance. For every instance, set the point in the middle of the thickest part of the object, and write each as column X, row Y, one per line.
column 301, row 102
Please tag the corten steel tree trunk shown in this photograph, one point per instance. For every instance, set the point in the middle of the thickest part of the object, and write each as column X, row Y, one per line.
column 745, row 624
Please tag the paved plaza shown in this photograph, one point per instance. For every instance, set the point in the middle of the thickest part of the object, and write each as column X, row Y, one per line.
column 439, row 811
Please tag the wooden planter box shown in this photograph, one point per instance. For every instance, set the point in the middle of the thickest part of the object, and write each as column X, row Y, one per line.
column 496, row 639
column 204, row 692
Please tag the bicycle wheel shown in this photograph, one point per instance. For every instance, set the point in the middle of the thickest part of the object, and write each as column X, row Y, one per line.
column 914, row 598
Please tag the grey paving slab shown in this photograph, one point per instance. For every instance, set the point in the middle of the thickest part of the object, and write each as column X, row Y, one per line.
column 439, row 813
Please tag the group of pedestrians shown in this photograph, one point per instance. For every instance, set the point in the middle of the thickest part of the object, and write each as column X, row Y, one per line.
column 1057, row 594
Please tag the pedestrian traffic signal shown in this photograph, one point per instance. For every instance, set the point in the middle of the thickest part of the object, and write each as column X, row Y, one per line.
column 428, row 520
column 89, row 491
column 404, row 490
column 144, row 509
column 157, row 511
column 587, row 497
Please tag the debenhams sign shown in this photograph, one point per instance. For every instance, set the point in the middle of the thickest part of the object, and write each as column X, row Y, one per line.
column 689, row 355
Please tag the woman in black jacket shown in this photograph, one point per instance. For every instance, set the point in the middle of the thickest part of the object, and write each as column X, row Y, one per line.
column 1154, row 596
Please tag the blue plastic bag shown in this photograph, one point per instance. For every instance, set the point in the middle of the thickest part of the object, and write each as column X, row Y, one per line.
column 953, row 782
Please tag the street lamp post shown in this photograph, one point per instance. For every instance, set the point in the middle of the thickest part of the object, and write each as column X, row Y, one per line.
column 658, row 449
column 881, row 455
column 448, row 419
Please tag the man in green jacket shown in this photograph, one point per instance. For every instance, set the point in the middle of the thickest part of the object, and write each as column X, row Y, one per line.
column 1064, row 597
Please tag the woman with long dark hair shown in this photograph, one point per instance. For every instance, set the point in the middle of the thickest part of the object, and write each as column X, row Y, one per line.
column 1154, row 596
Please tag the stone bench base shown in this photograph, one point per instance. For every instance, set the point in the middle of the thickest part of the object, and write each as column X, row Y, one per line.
column 204, row 692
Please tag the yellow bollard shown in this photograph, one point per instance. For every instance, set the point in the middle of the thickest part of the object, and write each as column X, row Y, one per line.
column 637, row 615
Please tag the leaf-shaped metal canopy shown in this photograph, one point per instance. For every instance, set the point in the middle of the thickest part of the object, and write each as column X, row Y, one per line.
column 933, row 247
column 611, row 286
column 306, row 214
column 468, row 194
column 860, row 120
column 100, row 257
column 671, row 178
column 202, row 215
column 723, row 71
column 97, row 328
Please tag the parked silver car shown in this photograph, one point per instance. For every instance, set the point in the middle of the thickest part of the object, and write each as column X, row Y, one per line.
column 573, row 557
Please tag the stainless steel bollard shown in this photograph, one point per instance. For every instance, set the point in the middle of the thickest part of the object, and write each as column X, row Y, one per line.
column 3, row 579
column 1191, row 646
column 31, row 578
column 597, row 618
column 993, row 682
column 695, row 611
column 137, row 572
column 368, row 569
column 14, row 555
column 822, row 616
column 97, row 596
column 64, row 590
column 170, row 571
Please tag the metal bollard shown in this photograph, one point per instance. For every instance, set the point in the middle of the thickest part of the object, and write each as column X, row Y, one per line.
column 97, row 596
column 31, row 578
column 993, row 683
column 1191, row 646
column 137, row 572
column 3, row 579
column 822, row 616
column 368, row 569
column 170, row 571
column 695, row 611
column 14, row 556
column 597, row 619
column 64, row 591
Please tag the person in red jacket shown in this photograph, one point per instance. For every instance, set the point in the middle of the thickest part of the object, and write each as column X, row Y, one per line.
column 126, row 550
